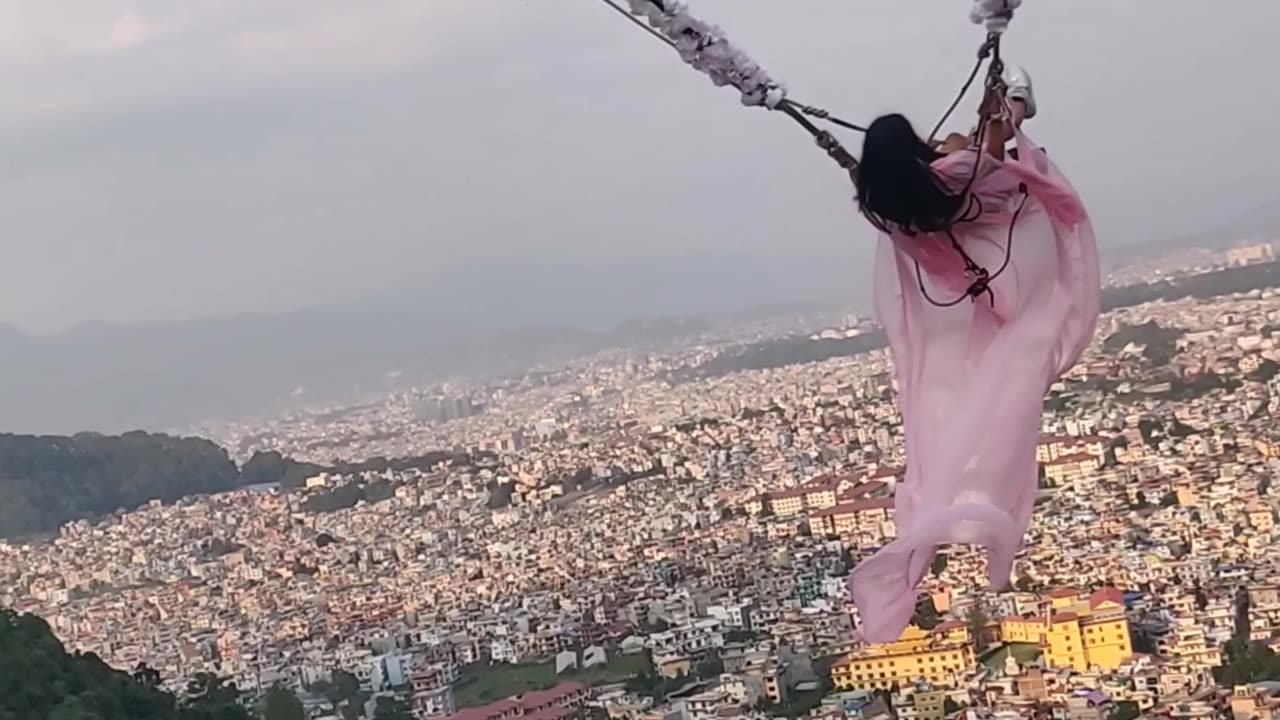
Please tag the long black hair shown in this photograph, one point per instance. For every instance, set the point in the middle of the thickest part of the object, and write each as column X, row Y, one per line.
column 896, row 188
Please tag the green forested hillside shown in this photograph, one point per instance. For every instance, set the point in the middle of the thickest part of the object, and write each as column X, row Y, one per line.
column 46, row 481
column 39, row 680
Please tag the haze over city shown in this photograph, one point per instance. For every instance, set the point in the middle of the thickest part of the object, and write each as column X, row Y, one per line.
column 486, row 165
column 476, row 360
column 168, row 161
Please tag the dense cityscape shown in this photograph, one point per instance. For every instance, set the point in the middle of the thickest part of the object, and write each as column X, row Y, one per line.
column 623, row 537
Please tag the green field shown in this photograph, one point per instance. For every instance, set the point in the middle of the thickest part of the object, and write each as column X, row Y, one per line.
column 1022, row 652
column 481, row 684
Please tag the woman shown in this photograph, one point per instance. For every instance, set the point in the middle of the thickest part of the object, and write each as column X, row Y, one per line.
column 903, row 185
column 987, row 287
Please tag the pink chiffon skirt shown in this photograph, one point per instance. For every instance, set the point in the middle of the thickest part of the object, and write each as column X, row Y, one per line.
column 972, row 377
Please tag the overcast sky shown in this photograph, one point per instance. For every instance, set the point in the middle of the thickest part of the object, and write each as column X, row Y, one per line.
column 165, row 159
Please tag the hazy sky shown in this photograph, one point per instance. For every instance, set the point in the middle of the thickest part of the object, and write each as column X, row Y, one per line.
column 165, row 159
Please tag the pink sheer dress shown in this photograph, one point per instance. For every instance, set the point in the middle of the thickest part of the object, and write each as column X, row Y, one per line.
column 972, row 377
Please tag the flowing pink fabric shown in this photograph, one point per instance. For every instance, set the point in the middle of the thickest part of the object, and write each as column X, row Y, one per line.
column 972, row 378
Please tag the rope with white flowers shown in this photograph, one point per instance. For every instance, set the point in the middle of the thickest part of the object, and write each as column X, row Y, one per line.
column 705, row 48
column 994, row 14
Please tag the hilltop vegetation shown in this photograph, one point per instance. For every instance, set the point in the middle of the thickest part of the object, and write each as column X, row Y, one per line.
column 46, row 481
column 49, row 480
column 781, row 352
column 39, row 680
column 1159, row 344
column 272, row 467
column 1203, row 286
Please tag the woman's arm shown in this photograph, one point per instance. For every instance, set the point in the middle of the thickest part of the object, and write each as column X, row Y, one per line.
column 954, row 143
column 996, row 136
column 997, row 131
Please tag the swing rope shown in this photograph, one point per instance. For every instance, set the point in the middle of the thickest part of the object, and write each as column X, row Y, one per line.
column 980, row 277
column 996, row 15
column 989, row 47
column 800, row 112
column 640, row 23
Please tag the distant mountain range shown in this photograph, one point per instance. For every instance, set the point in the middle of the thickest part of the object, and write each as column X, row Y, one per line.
column 482, row 317
column 488, row 317
column 1258, row 222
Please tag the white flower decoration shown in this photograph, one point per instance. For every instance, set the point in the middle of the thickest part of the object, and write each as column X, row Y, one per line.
column 995, row 14
column 705, row 48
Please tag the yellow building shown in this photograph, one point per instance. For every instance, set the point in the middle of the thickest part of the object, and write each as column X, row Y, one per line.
column 820, row 494
column 817, row 494
column 851, row 517
column 1063, row 599
column 917, row 655
column 1023, row 630
column 787, row 502
column 1063, row 647
column 952, row 631
column 1066, row 469
column 1078, row 632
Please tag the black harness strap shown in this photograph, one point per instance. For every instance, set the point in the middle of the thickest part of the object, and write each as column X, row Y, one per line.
column 980, row 278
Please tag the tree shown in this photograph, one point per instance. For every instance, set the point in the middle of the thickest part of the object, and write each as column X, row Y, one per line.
column 72, row 708
column 209, row 689
column 926, row 615
column 846, row 559
column 657, row 626
column 210, row 697
column 354, row 709
column 1142, row 644
column 41, row 681
column 1141, row 503
column 391, row 708
column 48, row 481
column 499, row 494
column 1125, row 710
column 146, row 676
column 280, row 703
column 269, row 467
column 710, row 668
column 1241, row 635
column 977, row 621
column 1247, row 663
column 342, row 686
column 939, row 563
